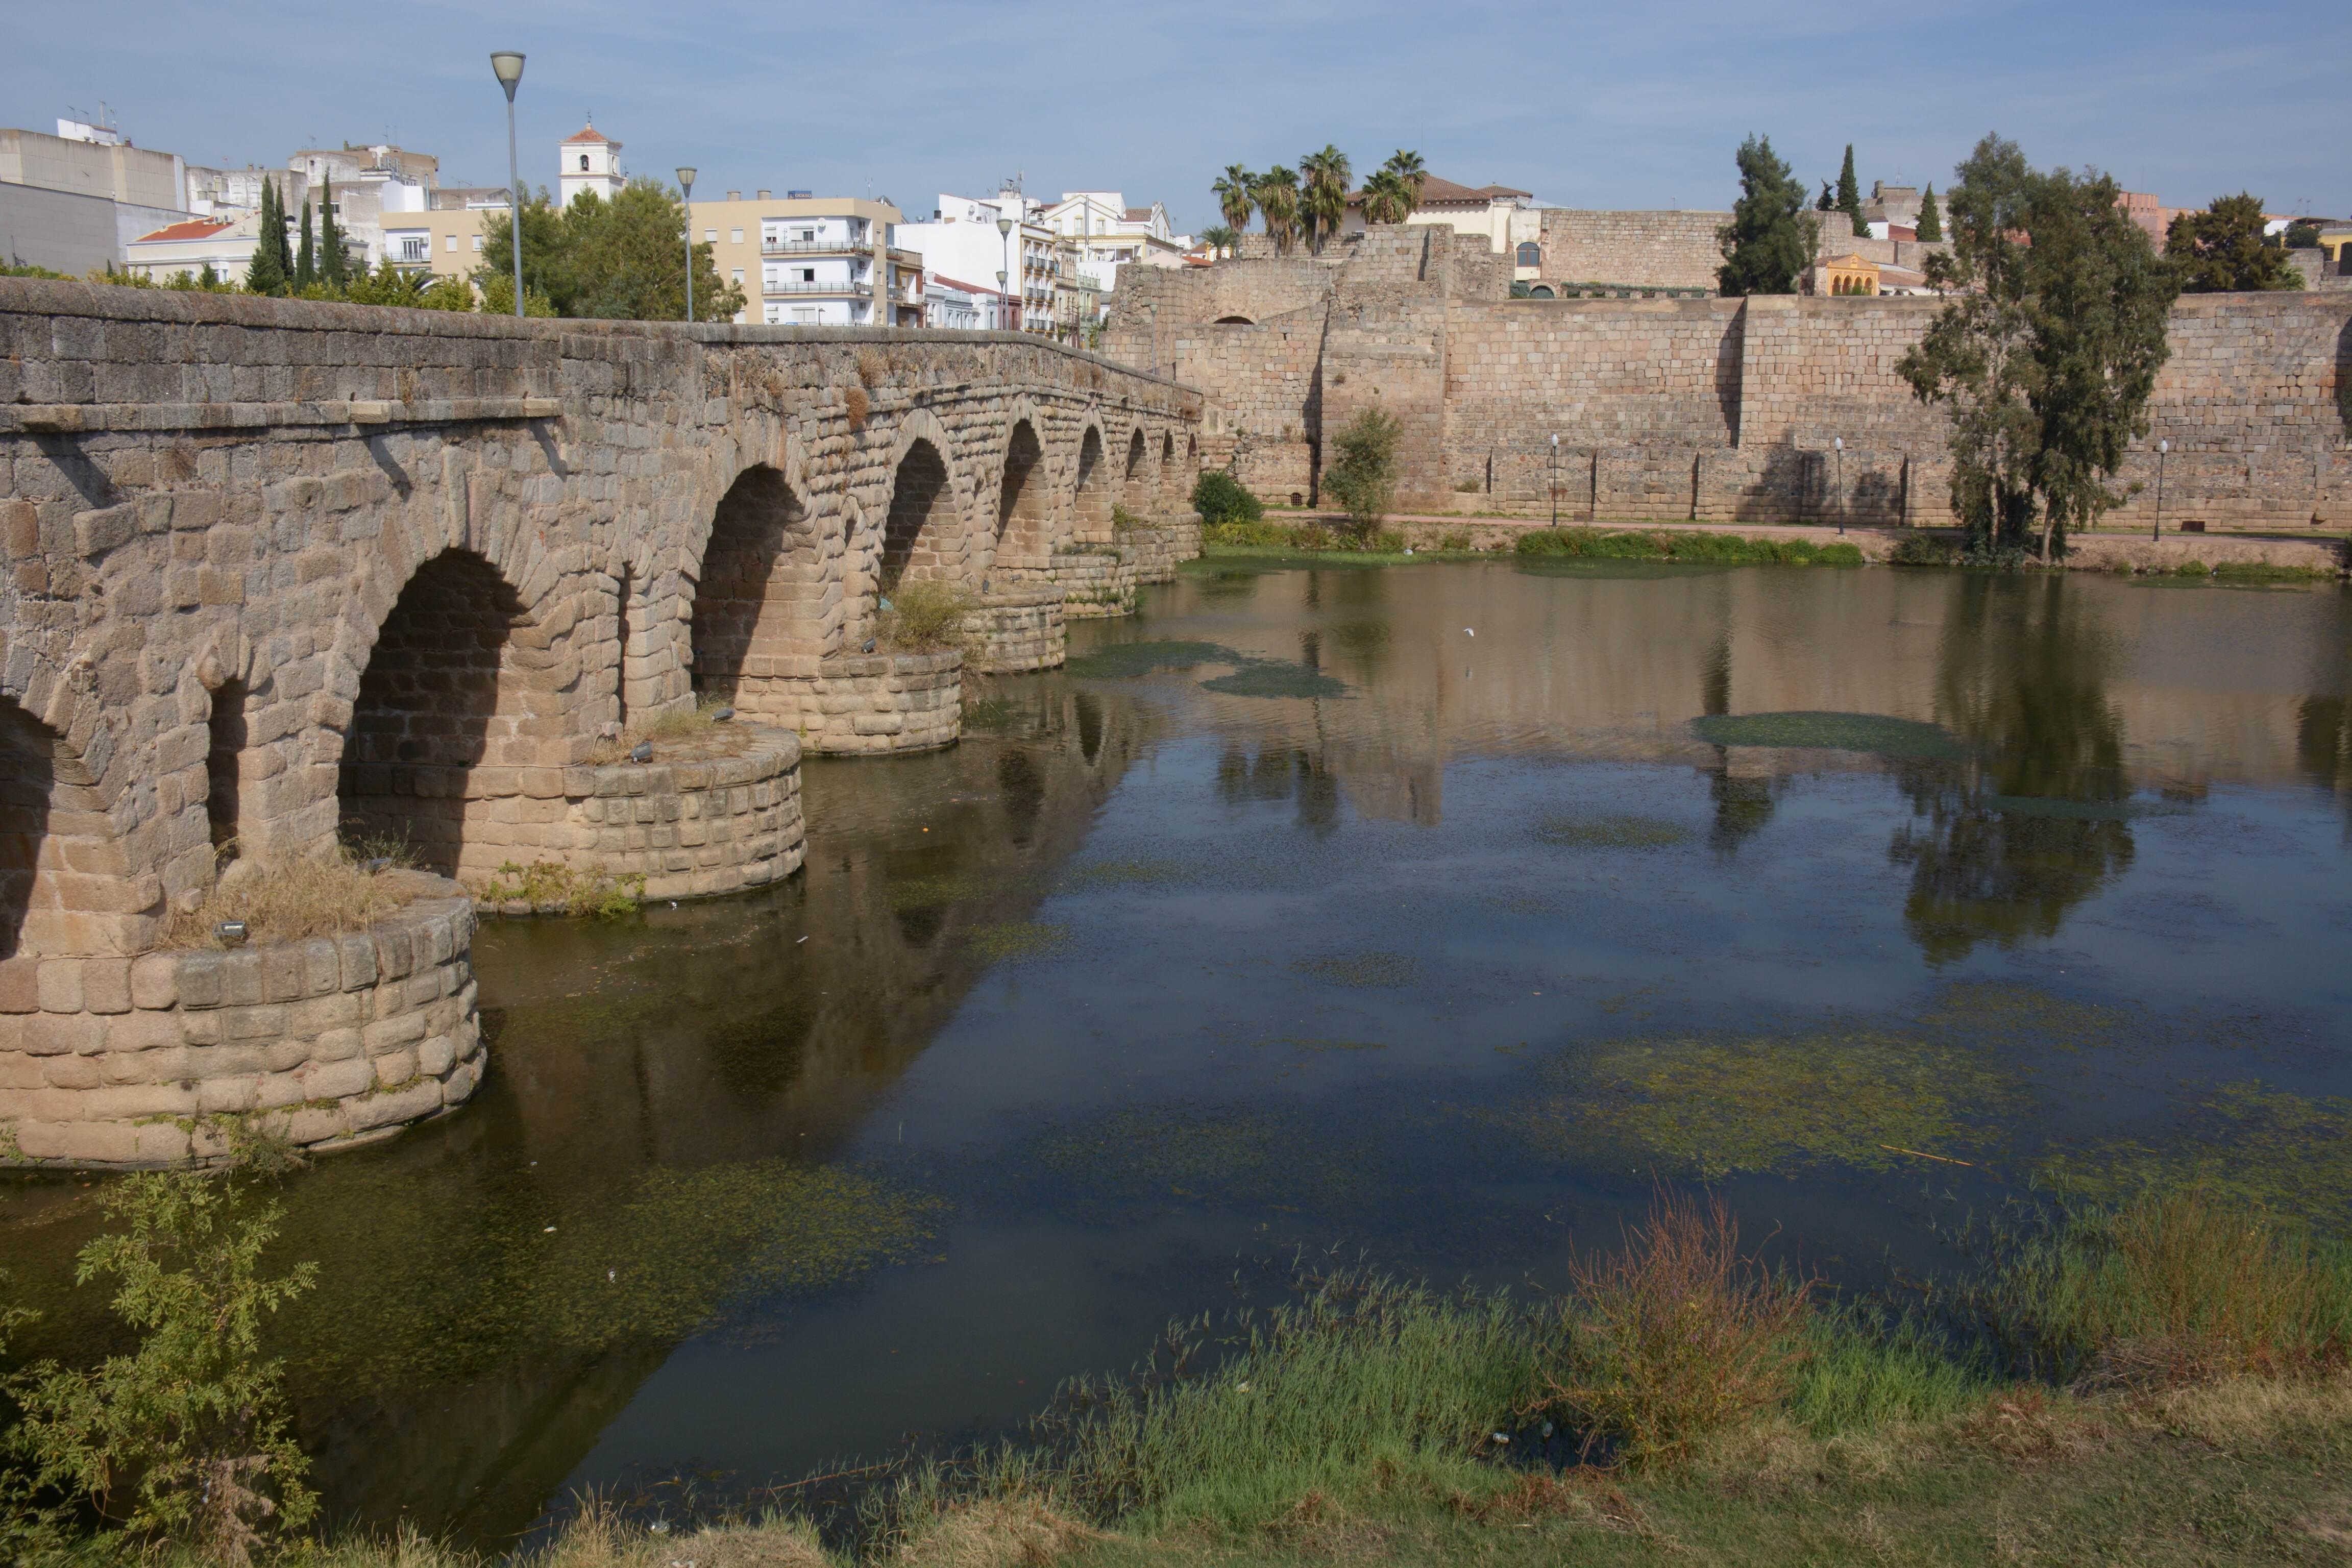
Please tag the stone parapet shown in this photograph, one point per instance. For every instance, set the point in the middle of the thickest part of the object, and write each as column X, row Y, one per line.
column 863, row 704
column 329, row 1042
column 1018, row 625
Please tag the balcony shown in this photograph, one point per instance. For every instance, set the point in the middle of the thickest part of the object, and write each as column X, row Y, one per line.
column 814, row 246
column 860, row 290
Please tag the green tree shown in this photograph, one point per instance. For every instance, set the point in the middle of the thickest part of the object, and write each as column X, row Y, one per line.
column 1221, row 239
column 1770, row 239
column 1849, row 194
column 1931, row 220
column 1387, row 198
column 187, row 1436
column 1236, row 194
column 1828, row 200
column 1277, row 203
column 542, row 249
column 497, row 296
column 2221, row 251
column 1407, row 166
column 270, row 270
column 2300, row 235
column 306, row 259
column 333, row 265
column 2046, row 349
column 1363, row 481
column 1324, row 203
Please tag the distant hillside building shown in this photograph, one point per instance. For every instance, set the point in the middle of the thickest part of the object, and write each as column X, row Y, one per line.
column 75, row 200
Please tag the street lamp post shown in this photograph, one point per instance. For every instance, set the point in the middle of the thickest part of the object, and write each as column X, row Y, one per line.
column 1554, row 482
column 508, row 64
column 685, row 184
column 1004, row 232
column 1838, row 442
column 2156, row 530
column 1003, row 303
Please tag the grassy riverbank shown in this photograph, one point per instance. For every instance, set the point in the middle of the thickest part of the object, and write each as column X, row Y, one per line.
column 2160, row 1383
column 1320, row 544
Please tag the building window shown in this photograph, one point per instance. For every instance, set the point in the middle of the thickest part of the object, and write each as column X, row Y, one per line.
column 776, row 315
column 710, row 237
column 804, row 315
column 808, row 274
column 415, row 247
column 738, row 275
column 1530, row 254
column 735, row 237
column 808, row 234
column 450, row 243
column 478, row 242
column 583, row 162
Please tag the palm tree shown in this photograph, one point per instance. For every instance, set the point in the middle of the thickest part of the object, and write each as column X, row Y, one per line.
column 1236, row 194
column 1221, row 240
column 1387, row 198
column 1408, row 167
column 1325, row 203
column 1277, row 203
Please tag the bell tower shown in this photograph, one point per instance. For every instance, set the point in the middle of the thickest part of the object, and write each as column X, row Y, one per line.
column 590, row 161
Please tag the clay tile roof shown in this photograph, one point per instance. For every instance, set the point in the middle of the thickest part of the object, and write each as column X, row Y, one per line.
column 1138, row 215
column 1436, row 192
column 590, row 134
column 199, row 228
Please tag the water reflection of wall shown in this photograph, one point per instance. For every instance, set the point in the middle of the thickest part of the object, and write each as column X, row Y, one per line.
column 2191, row 686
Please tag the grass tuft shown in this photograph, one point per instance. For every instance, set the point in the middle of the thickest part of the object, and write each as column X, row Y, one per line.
column 1663, row 545
column 291, row 900
column 923, row 617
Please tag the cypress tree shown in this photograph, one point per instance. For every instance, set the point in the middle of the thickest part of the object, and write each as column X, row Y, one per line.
column 265, row 273
column 306, row 260
column 1849, row 194
column 1770, row 239
column 332, row 269
column 1931, row 218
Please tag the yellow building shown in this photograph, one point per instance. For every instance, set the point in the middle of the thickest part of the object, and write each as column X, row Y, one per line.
column 1849, row 274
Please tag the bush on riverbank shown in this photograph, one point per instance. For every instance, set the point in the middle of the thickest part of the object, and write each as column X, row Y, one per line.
column 1663, row 544
column 923, row 616
column 1311, row 538
column 1221, row 499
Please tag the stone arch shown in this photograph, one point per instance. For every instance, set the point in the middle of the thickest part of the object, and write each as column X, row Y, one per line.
column 63, row 873
column 762, row 600
column 1093, row 489
column 460, row 691
column 1235, row 322
column 917, row 536
column 1023, row 513
column 1167, row 486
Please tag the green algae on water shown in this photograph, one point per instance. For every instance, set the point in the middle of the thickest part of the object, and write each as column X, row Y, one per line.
column 1126, row 873
column 1612, row 832
column 1716, row 1105
column 1362, row 970
column 1276, row 677
column 1875, row 732
column 1133, row 660
column 2289, row 1152
column 933, row 892
column 1015, row 942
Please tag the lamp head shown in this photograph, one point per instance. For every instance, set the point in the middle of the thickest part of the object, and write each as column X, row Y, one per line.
column 508, row 64
column 1004, row 226
column 2164, row 446
column 686, row 176
column 1837, row 442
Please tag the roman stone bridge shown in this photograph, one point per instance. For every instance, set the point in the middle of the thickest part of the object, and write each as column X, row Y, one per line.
column 275, row 572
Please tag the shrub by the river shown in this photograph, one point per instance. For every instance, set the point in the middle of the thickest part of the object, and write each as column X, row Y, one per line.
column 187, row 1438
column 1363, row 480
column 1678, row 544
column 549, row 887
column 299, row 896
column 923, row 617
column 1221, row 499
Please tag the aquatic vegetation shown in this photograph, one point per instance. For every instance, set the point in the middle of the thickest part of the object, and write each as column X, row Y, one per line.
column 1015, row 942
column 953, row 887
column 1877, row 732
column 1991, row 1013
column 549, row 887
column 1132, row 661
column 1681, row 544
column 1715, row 1105
column 1625, row 832
column 1360, row 970
column 2059, row 809
column 2290, row 1154
column 1276, row 677
column 1126, row 873
column 987, row 713
column 1617, row 569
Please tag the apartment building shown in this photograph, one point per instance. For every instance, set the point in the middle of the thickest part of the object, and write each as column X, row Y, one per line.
column 75, row 200
column 813, row 261
column 1024, row 258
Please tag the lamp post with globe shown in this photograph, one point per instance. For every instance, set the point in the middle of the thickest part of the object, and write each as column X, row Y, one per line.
column 508, row 65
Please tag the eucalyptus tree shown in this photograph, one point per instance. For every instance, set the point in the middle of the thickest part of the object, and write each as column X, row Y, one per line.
column 2047, row 347
column 1236, row 194
column 1277, row 203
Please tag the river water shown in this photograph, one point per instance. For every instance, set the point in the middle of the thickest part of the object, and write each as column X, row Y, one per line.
column 1428, row 916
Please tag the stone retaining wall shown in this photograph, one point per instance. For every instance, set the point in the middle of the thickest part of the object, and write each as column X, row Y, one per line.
column 113, row 1061
column 1155, row 551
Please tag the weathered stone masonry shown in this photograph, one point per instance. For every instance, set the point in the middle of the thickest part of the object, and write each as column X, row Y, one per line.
column 267, row 567
column 1713, row 409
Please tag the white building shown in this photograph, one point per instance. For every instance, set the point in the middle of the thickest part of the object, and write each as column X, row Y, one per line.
column 225, row 243
column 1025, row 260
column 1102, row 233
column 591, row 162
column 953, row 305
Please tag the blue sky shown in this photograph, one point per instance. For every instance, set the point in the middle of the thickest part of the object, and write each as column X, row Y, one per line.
column 1616, row 106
